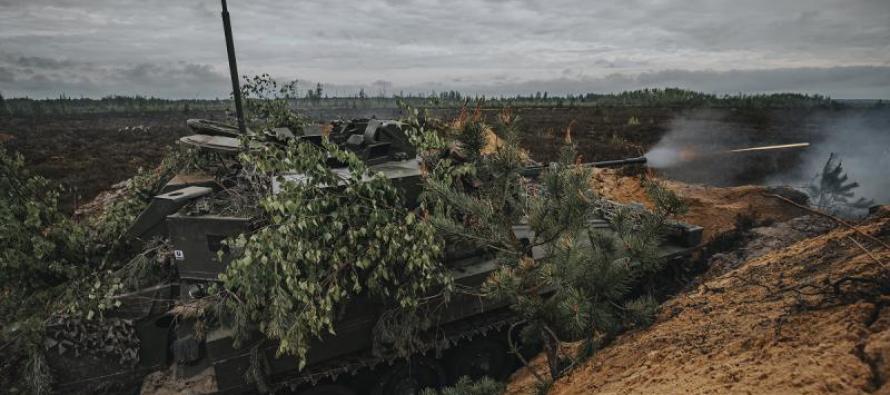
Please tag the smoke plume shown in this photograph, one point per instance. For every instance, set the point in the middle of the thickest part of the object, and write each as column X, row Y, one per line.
column 692, row 149
column 695, row 148
column 861, row 141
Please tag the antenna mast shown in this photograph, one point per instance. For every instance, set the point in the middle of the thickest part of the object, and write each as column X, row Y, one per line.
column 233, row 67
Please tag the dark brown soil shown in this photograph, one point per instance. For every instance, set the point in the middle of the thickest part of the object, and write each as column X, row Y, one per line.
column 90, row 152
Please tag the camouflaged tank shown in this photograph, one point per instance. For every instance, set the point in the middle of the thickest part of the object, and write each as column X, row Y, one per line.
column 192, row 213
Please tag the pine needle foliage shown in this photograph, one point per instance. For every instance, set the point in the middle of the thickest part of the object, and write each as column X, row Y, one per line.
column 466, row 386
column 475, row 196
column 580, row 285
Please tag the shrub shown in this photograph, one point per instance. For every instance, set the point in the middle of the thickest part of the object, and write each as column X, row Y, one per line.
column 579, row 285
column 465, row 386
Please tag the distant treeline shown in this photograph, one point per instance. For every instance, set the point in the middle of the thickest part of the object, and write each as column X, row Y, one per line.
column 315, row 99
column 21, row 107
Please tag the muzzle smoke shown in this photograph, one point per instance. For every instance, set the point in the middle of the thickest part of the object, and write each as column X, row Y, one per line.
column 695, row 146
column 706, row 147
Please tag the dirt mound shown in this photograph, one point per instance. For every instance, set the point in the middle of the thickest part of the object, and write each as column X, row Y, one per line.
column 763, row 240
column 716, row 209
column 165, row 383
column 804, row 318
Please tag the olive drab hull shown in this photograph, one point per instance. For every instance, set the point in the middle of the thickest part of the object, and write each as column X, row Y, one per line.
column 349, row 355
column 465, row 326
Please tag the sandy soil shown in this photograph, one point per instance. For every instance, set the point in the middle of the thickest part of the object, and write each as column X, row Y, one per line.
column 713, row 208
column 785, row 322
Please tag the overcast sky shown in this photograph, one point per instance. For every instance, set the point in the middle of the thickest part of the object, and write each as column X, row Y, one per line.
column 175, row 48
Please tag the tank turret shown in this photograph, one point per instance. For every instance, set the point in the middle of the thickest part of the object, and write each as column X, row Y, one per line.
column 184, row 214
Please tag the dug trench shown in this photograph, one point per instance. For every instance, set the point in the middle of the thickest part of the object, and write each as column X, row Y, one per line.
column 742, row 222
column 725, row 327
column 777, row 301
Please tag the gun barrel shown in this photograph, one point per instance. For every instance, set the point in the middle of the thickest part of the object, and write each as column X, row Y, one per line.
column 618, row 162
column 534, row 171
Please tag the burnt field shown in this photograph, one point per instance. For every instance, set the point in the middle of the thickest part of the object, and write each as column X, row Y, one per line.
column 87, row 153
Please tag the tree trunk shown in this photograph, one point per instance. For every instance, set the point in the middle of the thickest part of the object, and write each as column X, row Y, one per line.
column 551, row 348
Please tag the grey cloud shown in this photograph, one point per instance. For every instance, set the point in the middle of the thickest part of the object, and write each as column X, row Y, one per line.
column 846, row 82
column 42, row 62
column 6, row 75
column 839, row 82
column 428, row 43
column 45, row 79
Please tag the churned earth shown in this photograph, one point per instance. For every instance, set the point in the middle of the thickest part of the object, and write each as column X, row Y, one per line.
column 716, row 209
column 797, row 307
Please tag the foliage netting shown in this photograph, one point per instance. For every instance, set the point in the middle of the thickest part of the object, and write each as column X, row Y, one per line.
column 328, row 237
column 55, row 271
column 578, row 283
column 331, row 236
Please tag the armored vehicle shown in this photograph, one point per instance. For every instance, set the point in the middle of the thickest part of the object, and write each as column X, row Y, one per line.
column 469, row 338
column 191, row 212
